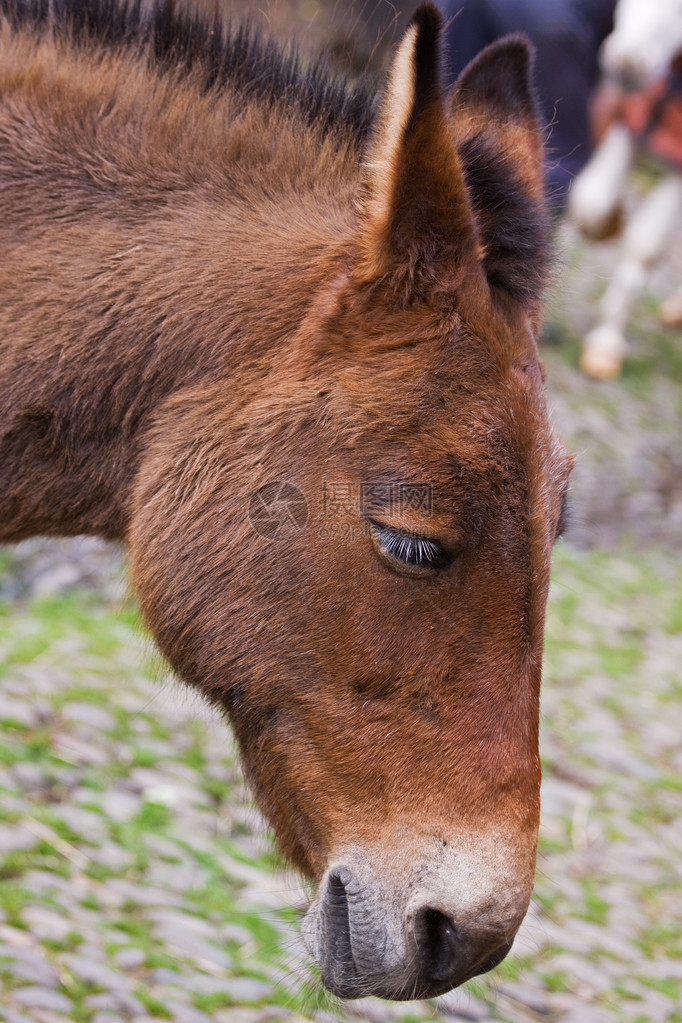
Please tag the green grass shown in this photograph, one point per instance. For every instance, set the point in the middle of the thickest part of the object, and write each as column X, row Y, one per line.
column 71, row 942
column 154, row 1006
column 668, row 986
column 557, row 980
column 13, row 899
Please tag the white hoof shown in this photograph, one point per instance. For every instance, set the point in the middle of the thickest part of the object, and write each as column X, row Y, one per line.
column 603, row 352
column 670, row 312
column 594, row 196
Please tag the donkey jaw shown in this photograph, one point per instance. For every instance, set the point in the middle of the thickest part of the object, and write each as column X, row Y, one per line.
column 420, row 934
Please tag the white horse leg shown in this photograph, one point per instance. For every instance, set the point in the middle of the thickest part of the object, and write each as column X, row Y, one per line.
column 594, row 196
column 646, row 238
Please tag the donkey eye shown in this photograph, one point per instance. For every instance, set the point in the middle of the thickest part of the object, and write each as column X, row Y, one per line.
column 408, row 549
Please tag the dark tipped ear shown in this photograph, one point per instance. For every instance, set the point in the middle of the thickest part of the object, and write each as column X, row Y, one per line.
column 414, row 206
column 494, row 120
column 495, row 92
column 501, row 78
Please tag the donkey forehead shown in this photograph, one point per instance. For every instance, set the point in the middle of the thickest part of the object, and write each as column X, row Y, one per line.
column 426, row 390
column 456, row 326
column 467, row 466
column 440, row 410
column 432, row 354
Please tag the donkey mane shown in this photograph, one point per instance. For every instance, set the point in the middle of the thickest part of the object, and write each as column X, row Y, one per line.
column 219, row 56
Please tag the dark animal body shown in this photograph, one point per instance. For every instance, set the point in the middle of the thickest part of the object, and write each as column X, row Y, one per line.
column 219, row 269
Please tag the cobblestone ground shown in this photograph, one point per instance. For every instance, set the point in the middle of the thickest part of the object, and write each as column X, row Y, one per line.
column 136, row 880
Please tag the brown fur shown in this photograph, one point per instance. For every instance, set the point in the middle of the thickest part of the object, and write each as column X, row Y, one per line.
column 204, row 291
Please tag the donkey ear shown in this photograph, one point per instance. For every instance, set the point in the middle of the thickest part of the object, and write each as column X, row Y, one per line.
column 494, row 121
column 414, row 206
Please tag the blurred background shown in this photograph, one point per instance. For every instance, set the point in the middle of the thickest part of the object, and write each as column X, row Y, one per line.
column 137, row 882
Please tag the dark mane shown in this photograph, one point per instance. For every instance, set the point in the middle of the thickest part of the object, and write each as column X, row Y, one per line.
column 233, row 56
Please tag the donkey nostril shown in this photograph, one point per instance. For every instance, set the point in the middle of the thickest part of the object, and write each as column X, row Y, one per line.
column 339, row 951
column 337, row 895
column 437, row 940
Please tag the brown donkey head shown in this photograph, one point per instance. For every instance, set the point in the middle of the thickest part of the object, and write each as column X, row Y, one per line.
column 352, row 559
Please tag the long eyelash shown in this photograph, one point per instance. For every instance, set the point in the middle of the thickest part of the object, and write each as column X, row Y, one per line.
column 412, row 550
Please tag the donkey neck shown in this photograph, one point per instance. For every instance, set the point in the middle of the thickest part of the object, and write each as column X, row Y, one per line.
column 135, row 265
